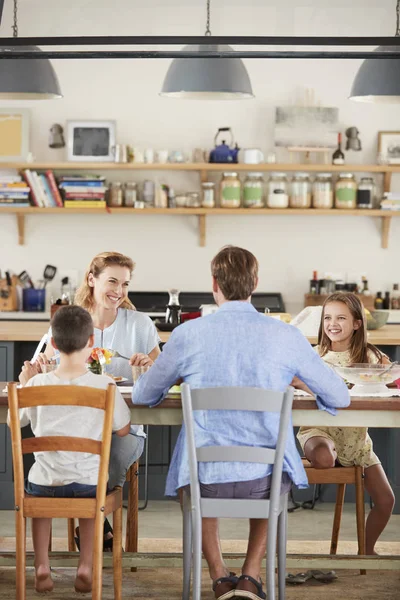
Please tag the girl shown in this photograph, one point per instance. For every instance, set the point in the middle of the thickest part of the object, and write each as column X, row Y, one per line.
column 342, row 340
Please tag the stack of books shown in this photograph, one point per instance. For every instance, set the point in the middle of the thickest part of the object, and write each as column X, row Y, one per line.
column 44, row 190
column 83, row 191
column 391, row 201
column 13, row 191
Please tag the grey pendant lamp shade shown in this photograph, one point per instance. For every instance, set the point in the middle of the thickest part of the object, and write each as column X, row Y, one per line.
column 379, row 80
column 207, row 78
column 28, row 79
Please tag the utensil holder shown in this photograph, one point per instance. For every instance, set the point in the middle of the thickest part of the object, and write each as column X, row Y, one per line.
column 33, row 300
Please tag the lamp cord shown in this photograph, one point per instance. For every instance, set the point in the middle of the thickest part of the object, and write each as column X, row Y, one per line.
column 208, row 30
column 15, row 24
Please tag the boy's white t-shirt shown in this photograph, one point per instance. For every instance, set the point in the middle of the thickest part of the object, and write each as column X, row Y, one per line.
column 63, row 468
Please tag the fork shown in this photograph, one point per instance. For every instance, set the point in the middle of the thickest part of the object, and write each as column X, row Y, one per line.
column 118, row 355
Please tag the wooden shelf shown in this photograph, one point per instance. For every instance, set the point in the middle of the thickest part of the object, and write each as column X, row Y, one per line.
column 201, row 213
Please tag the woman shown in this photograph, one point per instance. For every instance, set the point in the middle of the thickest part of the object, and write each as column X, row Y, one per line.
column 119, row 327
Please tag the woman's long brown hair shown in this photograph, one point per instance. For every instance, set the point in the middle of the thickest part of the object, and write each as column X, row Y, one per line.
column 84, row 295
column 359, row 345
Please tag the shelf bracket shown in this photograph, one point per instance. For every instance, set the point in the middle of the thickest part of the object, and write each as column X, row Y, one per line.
column 202, row 231
column 21, row 229
column 386, row 221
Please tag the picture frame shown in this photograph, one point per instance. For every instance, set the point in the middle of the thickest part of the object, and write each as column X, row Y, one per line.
column 14, row 134
column 90, row 141
column 389, row 147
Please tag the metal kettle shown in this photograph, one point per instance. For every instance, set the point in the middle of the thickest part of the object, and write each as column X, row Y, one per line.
column 173, row 314
column 223, row 153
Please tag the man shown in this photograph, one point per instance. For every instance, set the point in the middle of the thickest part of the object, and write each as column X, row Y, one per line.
column 237, row 346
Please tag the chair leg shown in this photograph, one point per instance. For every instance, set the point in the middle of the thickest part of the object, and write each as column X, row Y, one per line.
column 20, row 534
column 340, row 491
column 131, row 542
column 71, row 535
column 271, row 553
column 98, row 557
column 197, row 554
column 187, row 546
column 117, row 551
column 282, row 537
column 51, row 538
column 360, row 512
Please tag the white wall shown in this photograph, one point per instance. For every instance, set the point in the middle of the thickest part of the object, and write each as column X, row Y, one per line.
column 166, row 248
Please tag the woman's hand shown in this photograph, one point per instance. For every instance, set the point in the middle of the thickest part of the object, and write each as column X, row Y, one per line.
column 140, row 360
column 28, row 371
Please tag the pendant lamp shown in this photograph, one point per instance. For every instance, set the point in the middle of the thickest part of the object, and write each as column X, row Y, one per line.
column 379, row 80
column 207, row 78
column 27, row 79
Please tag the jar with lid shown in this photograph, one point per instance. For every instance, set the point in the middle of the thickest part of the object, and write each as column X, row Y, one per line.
column 115, row 194
column 193, row 200
column 230, row 190
column 253, row 188
column 130, row 193
column 322, row 196
column 300, row 191
column 366, row 193
column 208, row 194
column 346, row 191
column 278, row 191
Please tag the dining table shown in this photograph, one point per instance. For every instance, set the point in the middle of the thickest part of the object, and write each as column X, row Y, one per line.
column 362, row 412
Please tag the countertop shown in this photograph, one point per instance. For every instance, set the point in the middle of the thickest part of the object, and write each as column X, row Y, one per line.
column 23, row 331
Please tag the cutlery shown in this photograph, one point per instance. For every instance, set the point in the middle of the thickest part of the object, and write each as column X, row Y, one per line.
column 118, row 355
column 25, row 279
column 48, row 274
column 393, row 364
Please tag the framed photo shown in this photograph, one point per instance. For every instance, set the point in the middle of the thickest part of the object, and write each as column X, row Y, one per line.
column 90, row 141
column 14, row 134
column 389, row 147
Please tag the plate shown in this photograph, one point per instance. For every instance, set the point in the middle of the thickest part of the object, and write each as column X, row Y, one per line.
column 117, row 378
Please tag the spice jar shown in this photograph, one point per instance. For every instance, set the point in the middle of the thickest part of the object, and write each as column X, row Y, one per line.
column 193, row 200
column 278, row 191
column 322, row 191
column 130, row 194
column 366, row 193
column 208, row 194
column 300, row 191
column 346, row 191
column 253, row 190
column 115, row 194
column 230, row 188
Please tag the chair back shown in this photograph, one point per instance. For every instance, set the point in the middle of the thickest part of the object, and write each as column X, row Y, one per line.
column 238, row 399
column 60, row 395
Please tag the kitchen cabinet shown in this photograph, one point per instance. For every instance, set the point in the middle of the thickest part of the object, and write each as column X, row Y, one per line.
column 202, row 213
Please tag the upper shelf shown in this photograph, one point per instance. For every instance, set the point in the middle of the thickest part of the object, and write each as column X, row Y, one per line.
column 103, row 166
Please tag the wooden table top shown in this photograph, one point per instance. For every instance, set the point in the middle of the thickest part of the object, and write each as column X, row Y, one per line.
column 32, row 331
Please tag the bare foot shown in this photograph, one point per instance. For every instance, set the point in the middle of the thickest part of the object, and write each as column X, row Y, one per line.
column 43, row 580
column 83, row 580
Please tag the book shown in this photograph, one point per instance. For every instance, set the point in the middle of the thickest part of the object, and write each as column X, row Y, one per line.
column 85, row 204
column 84, row 196
column 27, row 175
column 79, row 178
column 81, row 188
column 47, row 191
column 54, row 188
column 14, row 197
column 14, row 204
column 81, row 183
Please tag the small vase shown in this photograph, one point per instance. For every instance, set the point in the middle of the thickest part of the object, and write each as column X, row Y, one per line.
column 96, row 368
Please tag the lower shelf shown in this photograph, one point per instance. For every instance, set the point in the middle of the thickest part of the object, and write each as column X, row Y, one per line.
column 202, row 213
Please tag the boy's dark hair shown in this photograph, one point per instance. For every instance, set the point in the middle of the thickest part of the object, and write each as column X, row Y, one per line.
column 71, row 327
column 236, row 272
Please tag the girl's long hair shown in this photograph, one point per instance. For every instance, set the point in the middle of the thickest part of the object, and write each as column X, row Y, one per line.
column 359, row 345
column 84, row 295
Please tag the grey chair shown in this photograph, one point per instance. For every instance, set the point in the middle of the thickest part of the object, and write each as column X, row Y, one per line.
column 195, row 507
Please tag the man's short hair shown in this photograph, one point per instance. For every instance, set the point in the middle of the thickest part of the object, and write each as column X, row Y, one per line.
column 71, row 328
column 236, row 272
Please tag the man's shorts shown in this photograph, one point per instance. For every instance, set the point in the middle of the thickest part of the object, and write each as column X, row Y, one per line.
column 256, row 488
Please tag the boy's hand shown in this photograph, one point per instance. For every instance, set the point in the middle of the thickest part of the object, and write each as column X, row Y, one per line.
column 140, row 360
column 28, row 371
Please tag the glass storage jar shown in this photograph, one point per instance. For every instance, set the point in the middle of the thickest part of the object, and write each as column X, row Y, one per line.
column 115, row 194
column 230, row 190
column 130, row 193
column 208, row 194
column 346, row 191
column 277, row 196
column 193, row 200
column 253, row 188
column 300, row 191
column 366, row 193
column 322, row 196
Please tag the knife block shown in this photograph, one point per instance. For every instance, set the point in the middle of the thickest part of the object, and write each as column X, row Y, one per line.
column 8, row 294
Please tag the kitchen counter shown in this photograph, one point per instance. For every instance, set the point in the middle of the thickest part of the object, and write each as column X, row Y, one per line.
column 21, row 331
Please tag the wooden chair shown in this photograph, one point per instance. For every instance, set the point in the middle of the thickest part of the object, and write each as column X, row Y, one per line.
column 342, row 476
column 84, row 508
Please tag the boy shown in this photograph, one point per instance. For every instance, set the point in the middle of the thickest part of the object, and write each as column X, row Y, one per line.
column 68, row 474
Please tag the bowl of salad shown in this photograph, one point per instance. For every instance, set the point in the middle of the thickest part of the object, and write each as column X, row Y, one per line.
column 369, row 379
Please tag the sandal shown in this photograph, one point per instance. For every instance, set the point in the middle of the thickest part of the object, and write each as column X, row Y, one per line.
column 246, row 591
column 107, row 543
column 324, row 576
column 298, row 578
column 226, row 587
